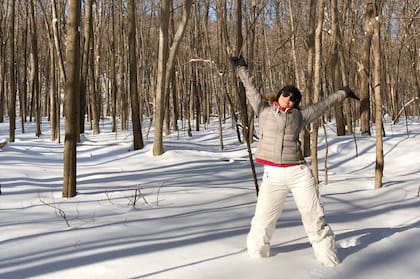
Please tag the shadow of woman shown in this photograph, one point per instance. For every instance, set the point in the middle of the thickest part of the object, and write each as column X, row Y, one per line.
column 353, row 241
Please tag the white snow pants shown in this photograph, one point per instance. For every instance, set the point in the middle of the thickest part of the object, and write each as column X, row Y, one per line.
column 277, row 183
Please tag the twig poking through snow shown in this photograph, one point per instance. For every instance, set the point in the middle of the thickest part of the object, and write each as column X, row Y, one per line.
column 137, row 195
column 58, row 211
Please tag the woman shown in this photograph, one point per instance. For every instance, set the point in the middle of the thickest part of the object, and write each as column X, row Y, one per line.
column 280, row 122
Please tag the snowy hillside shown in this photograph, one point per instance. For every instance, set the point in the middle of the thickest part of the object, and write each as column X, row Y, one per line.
column 193, row 207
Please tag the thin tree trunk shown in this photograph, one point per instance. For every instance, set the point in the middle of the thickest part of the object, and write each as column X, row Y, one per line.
column 72, row 97
column 87, row 34
column 298, row 68
column 317, row 87
column 23, row 88
column 306, row 136
column 251, row 50
column 12, row 82
column 132, row 57
column 160, row 87
column 57, row 41
column 377, row 72
column 365, row 70
column 242, row 95
column 35, row 88
column 186, row 11
column 94, row 97
column 175, row 113
column 166, row 65
column 114, row 87
column 2, row 69
column 335, row 67
column 122, row 98
column 54, row 112
column 53, row 91
column 55, row 97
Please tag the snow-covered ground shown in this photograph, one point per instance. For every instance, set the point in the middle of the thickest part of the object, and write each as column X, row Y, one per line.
column 186, row 214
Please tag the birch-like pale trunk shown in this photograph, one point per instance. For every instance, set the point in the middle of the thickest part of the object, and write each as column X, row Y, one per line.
column 317, row 87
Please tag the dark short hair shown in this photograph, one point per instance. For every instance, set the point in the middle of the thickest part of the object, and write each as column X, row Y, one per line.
column 294, row 91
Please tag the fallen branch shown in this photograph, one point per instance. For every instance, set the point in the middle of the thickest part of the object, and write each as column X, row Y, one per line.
column 403, row 109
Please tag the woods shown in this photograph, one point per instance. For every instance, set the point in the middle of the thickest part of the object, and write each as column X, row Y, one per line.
column 166, row 62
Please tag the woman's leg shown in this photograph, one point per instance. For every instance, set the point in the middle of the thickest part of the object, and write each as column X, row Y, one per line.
column 269, row 206
column 309, row 205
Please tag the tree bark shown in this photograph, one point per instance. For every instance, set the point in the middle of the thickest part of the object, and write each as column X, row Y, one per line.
column 23, row 86
column 306, row 135
column 2, row 69
column 377, row 73
column 72, row 88
column 317, row 87
column 94, row 96
column 160, row 87
column 335, row 67
column 364, row 70
column 12, row 82
column 166, row 65
column 35, row 86
column 132, row 57
column 57, row 40
column 113, row 61
column 87, row 35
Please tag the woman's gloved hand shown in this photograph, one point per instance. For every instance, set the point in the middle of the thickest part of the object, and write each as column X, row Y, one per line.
column 237, row 61
column 349, row 93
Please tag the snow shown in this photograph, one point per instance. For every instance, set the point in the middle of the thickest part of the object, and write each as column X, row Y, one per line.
column 194, row 207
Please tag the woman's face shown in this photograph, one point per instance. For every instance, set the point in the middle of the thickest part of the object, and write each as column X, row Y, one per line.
column 284, row 100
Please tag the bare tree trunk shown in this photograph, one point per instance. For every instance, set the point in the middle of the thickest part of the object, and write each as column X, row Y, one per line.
column 306, row 136
column 365, row 70
column 345, row 81
column 72, row 97
column 12, row 82
column 2, row 68
column 240, row 90
column 53, row 94
column 94, row 96
column 160, row 87
column 87, row 35
column 35, row 88
column 122, row 98
column 251, row 50
column 167, row 113
column 186, row 11
column 196, row 98
column 317, row 87
column 299, row 75
column 54, row 108
column 113, row 61
column 175, row 113
column 57, row 39
column 23, row 88
column 241, row 93
column 166, row 65
column 132, row 57
column 377, row 72
column 335, row 67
